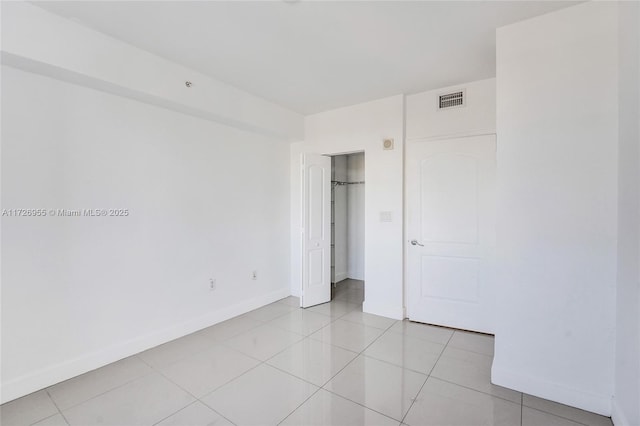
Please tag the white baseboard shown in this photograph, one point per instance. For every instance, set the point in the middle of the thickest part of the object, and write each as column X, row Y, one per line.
column 51, row 375
column 600, row 404
column 352, row 275
column 294, row 291
column 340, row 276
column 618, row 416
column 389, row 311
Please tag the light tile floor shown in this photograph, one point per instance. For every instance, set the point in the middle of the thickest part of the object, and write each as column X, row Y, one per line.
column 328, row 365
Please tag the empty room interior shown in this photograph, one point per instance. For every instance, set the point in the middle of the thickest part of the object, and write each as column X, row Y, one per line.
column 298, row 212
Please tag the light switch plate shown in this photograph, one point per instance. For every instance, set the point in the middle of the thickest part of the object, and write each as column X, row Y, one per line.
column 386, row 217
column 387, row 144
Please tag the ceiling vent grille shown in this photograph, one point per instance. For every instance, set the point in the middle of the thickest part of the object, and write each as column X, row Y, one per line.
column 451, row 100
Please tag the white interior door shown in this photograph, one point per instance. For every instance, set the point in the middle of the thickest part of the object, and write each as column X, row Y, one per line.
column 316, row 229
column 451, row 231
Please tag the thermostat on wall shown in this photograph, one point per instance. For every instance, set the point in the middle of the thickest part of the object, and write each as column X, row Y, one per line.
column 387, row 144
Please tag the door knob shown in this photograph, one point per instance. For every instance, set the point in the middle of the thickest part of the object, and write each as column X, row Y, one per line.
column 415, row 243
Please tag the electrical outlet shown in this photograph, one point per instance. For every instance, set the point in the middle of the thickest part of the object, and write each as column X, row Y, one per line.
column 212, row 284
column 254, row 275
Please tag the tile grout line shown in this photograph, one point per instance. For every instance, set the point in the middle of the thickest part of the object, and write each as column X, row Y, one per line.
column 187, row 406
column 360, row 404
column 476, row 390
column 223, row 343
column 319, row 387
column 469, row 350
column 107, row 391
column 261, row 362
column 362, row 353
column 196, row 399
column 425, row 381
column 309, row 337
column 342, row 369
column 563, row 417
column 58, row 408
column 464, row 386
column 264, row 362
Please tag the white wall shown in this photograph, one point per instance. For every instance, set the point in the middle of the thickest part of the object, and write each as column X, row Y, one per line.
column 205, row 201
column 340, row 249
column 626, row 403
column 362, row 128
column 557, row 205
column 79, row 293
column 477, row 117
column 355, row 216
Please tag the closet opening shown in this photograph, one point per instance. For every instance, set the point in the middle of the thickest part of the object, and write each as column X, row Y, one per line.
column 347, row 227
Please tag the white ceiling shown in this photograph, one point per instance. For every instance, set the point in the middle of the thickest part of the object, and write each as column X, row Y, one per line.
column 314, row 56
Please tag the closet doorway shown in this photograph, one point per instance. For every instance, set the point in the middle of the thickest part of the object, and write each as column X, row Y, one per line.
column 347, row 227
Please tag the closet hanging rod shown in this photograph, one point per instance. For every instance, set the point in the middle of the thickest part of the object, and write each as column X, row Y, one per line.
column 338, row 182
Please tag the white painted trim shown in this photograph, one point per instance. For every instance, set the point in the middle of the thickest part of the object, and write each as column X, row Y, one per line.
column 48, row 376
column 73, row 52
column 340, row 276
column 68, row 76
column 600, row 404
column 486, row 132
column 617, row 414
column 389, row 311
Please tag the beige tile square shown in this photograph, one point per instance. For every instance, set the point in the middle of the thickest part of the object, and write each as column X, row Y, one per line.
column 301, row 321
column 174, row 350
column 229, row 328
column 441, row 403
column 472, row 370
column 269, row 312
column 369, row 319
column 27, row 410
column 561, row 410
column 423, row 331
column 347, row 335
column 205, row 371
column 263, row 396
column 312, row 360
column 378, row 385
column 474, row 342
column 144, row 401
column 263, row 342
column 325, row 408
column 81, row 388
column 336, row 308
column 532, row 417
column 406, row 351
column 55, row 420
column 196, row 414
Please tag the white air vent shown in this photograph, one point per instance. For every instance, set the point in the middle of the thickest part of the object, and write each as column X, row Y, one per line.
column 451, row 100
